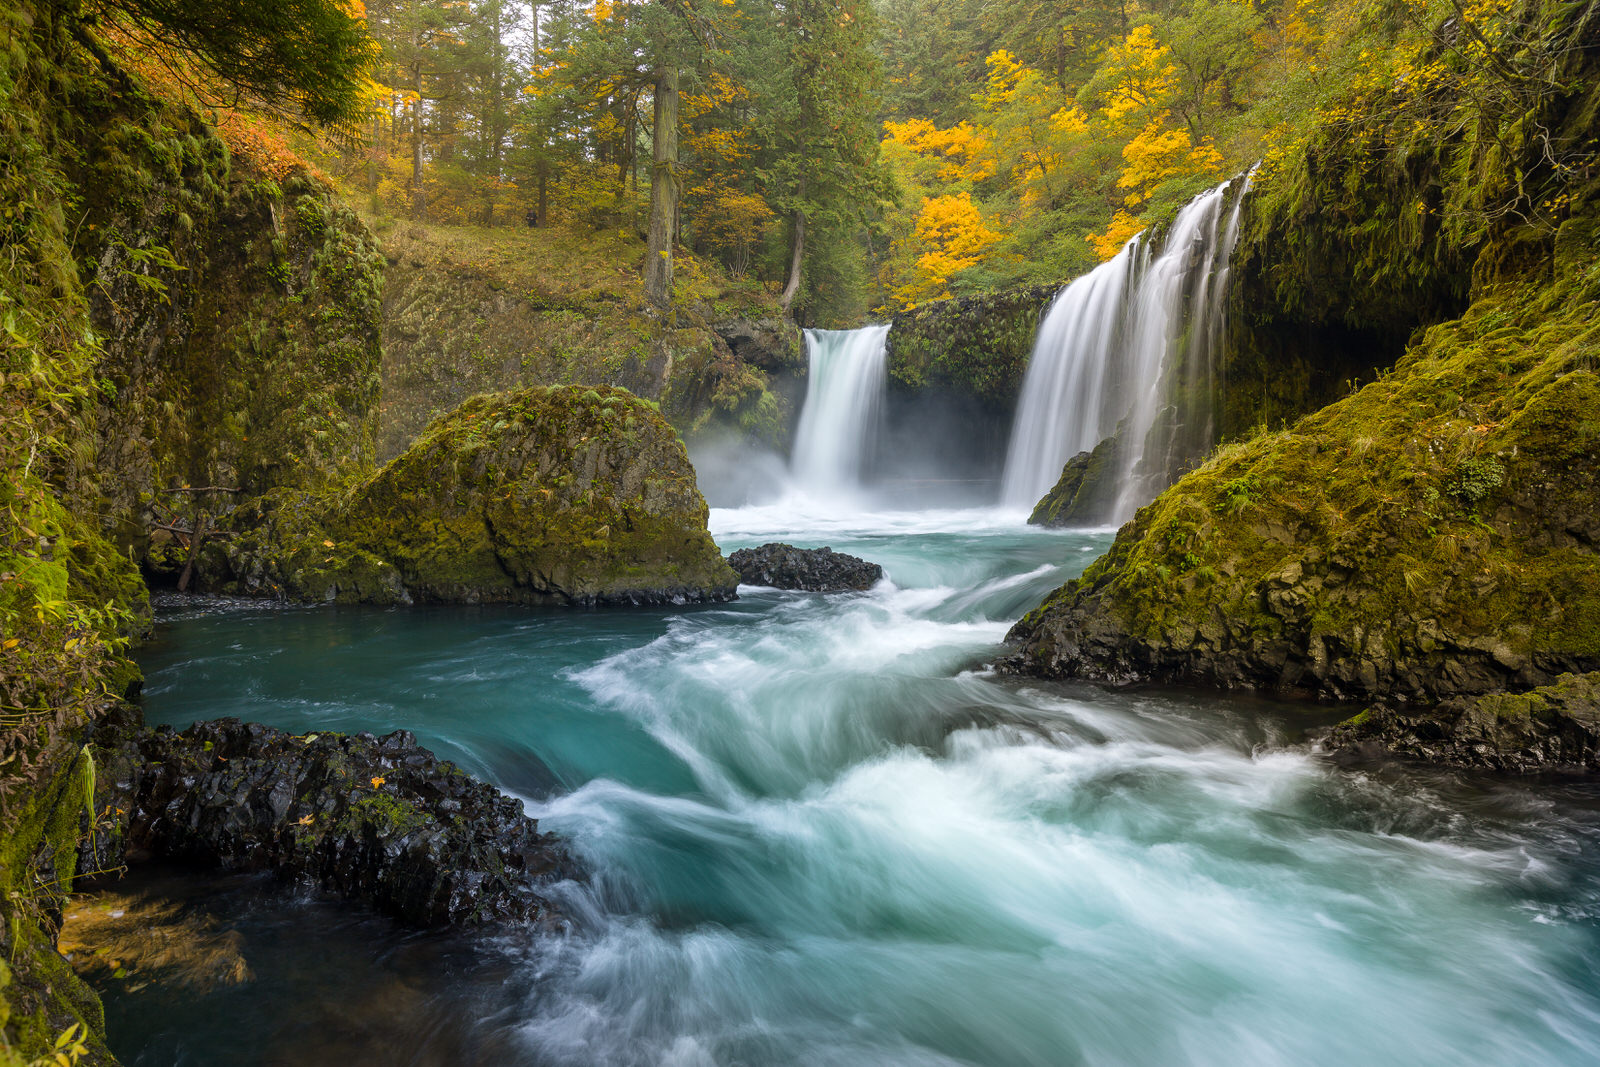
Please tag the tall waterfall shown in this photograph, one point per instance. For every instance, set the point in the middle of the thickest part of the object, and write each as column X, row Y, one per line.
column 844, row 401
column 1128, row 347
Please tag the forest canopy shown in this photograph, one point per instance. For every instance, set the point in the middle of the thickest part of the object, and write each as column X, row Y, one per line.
column 845, row 155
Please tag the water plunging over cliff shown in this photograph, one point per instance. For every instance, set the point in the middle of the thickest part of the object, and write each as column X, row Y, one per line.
column 1129, row 346
column 1067, row 404
column 844, row 399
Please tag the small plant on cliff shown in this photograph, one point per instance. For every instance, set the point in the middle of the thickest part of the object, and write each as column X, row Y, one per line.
column 1475, row 479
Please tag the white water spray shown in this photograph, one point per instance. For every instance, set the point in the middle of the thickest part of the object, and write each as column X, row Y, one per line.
column 844, row 402
column 1111, row 349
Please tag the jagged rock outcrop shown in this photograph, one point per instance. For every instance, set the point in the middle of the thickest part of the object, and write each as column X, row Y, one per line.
column 1086, row 493
column 818, row 570
column 1553, row 726
column 566, row 496
column 374, row 819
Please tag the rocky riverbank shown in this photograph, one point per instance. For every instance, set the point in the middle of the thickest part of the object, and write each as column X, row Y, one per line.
column 378, row 820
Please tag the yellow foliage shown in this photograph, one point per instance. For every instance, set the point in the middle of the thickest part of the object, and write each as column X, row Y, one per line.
column 1123, row 226
column 952, row 236
column 962, row 152
column 1157, row 154
column 1142, row 79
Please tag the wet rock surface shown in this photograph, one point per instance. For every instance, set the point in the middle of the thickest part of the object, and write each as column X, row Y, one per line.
column 817, row 570
column 1551, row 727
column 374, row 819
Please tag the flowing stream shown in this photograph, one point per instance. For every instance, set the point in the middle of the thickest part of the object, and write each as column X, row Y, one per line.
column 821, row 832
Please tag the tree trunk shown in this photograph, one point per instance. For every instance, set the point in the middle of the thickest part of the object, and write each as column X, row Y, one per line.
column 663, row 189
column 494, row 128
column 797, row 253
column 419, row 199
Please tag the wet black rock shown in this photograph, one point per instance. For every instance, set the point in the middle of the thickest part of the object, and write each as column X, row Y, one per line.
column 374, row 819
column 819, row 570
column 1551, row 727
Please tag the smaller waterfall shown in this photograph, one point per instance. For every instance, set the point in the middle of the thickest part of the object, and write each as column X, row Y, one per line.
column 844, row 401
column 1171, row 411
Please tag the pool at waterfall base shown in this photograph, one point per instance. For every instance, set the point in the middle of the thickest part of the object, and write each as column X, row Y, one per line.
column 820, row 829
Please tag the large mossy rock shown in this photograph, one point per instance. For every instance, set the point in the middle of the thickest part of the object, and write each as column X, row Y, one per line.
column 1435, row 534
column 562, row 495
column 1086, row 492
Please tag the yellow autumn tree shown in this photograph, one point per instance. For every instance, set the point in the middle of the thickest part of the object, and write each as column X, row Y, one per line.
column 1159, row 153
column 953, row 237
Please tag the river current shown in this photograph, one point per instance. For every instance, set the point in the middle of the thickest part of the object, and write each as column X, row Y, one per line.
column 822, row 831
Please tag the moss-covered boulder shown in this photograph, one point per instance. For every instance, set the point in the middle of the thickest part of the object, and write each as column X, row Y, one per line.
column 562, row 496
column 1435, row 534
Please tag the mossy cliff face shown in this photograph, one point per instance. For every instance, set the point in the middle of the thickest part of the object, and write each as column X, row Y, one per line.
column 1434, row 534
column 539, row 496
column 748, row 386
column 172, row 316
column 959, row 364
column 241, row 323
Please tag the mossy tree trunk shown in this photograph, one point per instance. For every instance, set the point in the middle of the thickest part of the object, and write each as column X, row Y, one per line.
column 663, row 188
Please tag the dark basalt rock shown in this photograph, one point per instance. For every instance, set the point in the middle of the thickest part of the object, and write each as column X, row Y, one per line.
column 1086, row 493
column 819, row 570
column 374, row 819
column 1554, row 726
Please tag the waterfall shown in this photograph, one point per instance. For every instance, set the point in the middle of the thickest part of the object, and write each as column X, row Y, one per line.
column 1064, row 405
column 844, row 400
column 1129, row 348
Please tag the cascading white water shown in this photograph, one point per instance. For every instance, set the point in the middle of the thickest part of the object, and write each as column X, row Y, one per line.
column 1106, row 355
column 1064, row 406
column 844, row 401
column 1172, row 294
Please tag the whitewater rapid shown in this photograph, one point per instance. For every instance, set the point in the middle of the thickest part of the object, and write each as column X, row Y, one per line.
column 822, row 830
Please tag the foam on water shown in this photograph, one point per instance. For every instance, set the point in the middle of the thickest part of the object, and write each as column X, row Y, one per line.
column 822, row 831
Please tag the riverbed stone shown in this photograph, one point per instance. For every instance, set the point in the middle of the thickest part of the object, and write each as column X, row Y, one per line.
column 818, row 570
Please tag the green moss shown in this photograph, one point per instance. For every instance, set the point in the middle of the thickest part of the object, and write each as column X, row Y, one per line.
column 1436, row 528
column 977, row 346
column 387, row 815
